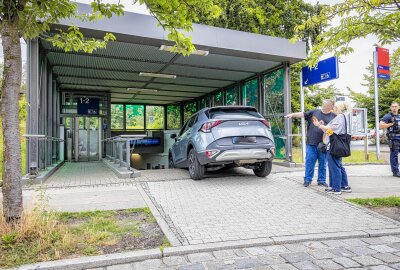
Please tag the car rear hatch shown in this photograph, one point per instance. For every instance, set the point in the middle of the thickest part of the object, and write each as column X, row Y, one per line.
column 239, row 126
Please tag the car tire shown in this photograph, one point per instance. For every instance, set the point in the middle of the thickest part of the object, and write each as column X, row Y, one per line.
column 171, row 163
column 264, row 170
column 196, row 170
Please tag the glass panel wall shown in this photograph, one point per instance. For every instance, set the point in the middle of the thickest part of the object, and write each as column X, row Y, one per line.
column 232, row 95
column 117, row 116
column 250, row 93
column 218, row 98
column 274, row 105
column 154, row 117
column 173, row 117
column 134, row 116
column 189, row 109
column 205, row 102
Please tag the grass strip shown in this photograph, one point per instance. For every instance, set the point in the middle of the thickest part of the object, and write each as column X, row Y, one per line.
column 391, row 201
column 43, row 236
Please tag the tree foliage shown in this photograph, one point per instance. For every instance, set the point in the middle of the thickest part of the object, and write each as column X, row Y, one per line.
column 388, row 90
column 357, row 19
column 274, row 18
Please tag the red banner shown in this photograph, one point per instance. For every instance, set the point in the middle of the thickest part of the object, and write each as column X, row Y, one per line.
column 383, row 63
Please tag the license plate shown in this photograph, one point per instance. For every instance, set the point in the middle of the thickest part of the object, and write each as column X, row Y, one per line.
column 244, row 140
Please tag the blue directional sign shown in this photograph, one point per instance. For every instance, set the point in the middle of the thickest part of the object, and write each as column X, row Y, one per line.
column 325, row 70
column 88, row 106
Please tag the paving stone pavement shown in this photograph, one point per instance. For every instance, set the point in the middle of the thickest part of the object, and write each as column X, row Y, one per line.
column 283, row 257
column 239, row 208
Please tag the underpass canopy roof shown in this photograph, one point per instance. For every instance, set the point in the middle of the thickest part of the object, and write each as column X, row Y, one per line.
column 234, row 56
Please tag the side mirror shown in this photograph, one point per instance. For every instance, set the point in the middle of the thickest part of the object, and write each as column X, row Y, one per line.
column 173, row 136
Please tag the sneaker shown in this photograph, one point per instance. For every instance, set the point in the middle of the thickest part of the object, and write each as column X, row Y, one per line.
column 307, row 184
column 328, row 189
column 323, row 184
column 332, row 191
column 346, row 189
column 396, row 174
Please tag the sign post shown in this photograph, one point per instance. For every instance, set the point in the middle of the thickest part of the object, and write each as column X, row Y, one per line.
column 381, row 70
column 325, row 70
column 303, row 121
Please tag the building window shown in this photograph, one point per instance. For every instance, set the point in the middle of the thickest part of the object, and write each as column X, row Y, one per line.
column 134, row 117
column 189, row 109
column 117, row 116
column 232, row 95
column 250, row 93
column 218, row 99
column 173, row 117
column 154, row 117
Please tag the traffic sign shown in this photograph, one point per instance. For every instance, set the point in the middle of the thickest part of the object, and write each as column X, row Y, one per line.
column 88, row 106
column 325, row 70
column 383, row 63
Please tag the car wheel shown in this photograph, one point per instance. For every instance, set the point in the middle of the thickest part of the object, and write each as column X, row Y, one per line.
column 264, row 169
column 196, row 170
column 171, row 164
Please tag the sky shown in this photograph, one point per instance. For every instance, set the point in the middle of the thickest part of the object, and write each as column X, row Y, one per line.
column 351, row 67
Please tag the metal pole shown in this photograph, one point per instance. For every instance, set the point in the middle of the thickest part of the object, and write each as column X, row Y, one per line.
column 121, row 159
column 128, row 154
column 378, row 148
column 303, row 122
column 287, row 110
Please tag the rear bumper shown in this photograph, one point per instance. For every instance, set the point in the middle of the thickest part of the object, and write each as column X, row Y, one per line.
column 232, row 155
column 243, row 154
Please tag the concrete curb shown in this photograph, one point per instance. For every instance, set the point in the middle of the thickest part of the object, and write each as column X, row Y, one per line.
column 182, row 250
column 160, row 220
column 43, row 175
column 301, row 165
column 96, row 261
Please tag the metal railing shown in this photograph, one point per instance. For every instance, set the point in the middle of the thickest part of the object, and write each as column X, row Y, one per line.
column 48, row 154
column 119, row 146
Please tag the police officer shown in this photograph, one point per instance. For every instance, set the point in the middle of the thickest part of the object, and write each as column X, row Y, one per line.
column 391, row 121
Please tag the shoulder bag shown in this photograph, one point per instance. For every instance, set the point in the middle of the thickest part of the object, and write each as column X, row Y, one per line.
column 340, row 143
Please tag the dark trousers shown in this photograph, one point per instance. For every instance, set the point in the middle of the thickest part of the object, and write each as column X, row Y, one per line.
column 394, row 157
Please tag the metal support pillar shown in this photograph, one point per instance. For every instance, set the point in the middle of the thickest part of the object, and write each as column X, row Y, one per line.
column 32, row 122
column 121, row 158
column 287, row 110
column 128, row 154
column 49, row 119
column 100, row 146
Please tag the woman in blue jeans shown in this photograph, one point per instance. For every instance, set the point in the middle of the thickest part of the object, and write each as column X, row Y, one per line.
column 338, row 181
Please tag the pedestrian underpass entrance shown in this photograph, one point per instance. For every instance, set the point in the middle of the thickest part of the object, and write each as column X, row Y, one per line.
column 138, row 86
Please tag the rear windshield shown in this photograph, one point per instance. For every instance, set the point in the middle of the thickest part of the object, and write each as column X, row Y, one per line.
column 232, row 113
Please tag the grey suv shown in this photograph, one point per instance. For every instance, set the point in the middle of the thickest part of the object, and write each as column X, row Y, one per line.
column 218, row 137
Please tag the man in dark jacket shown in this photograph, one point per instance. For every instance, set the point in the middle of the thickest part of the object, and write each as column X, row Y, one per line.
column 391, row 121
column 314, row 137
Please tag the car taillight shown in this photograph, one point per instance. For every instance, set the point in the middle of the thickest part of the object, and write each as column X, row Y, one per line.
column 206, row 127
column 266, row 123
column 211, row 153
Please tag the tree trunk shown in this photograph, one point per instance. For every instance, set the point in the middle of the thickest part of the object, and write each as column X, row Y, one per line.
column 12, row 190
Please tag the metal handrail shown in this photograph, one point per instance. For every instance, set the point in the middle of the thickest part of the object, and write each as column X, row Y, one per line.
column 42, row 137
column 125, row 137
column 119, row 144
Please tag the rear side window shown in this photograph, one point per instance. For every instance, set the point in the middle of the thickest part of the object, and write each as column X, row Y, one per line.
column 232, row 113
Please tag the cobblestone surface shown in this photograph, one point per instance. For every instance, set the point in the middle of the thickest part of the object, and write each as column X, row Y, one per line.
column 276, row 257
column 238, row 208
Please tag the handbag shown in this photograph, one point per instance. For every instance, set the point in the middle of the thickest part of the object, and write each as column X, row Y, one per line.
column 322, row 147
column 340, row 143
